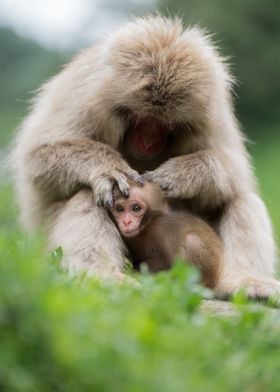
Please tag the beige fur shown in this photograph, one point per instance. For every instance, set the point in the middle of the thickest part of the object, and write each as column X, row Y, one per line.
column 155, row 234
column 150, row 66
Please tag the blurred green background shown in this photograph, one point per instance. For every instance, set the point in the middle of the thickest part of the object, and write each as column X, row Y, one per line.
column 248, row 33
column 63, row 334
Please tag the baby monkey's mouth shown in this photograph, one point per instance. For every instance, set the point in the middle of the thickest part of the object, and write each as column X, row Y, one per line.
column 130, row 233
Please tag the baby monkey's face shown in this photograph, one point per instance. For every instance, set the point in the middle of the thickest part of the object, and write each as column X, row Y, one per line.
column 128, row 215
column 133, row 214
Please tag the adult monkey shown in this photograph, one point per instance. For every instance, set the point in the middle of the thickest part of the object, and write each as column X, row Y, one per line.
column 159, row 97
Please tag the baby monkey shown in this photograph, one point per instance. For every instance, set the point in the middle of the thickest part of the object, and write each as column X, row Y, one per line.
column 155, row 234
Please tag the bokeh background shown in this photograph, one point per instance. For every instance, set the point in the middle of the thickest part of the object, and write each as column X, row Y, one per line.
column 37, row 37
column 63, row 334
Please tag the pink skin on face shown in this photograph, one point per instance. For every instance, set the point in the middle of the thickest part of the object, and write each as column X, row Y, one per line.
column 128, row 215
column 149, row 138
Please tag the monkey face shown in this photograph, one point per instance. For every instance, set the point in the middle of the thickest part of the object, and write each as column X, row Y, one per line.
column 134, row 213
column 128, row 215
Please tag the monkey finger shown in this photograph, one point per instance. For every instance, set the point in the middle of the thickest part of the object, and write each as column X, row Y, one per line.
column 103, row 192
column 106, row 202
column 165, row 187
column 161, row 181
column 135, row 177
column 148, row 176
column 123, row 184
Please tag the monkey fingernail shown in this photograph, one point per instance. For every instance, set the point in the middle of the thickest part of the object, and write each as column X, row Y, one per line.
column 138, row 179
column 109, row 203
column 98, row 203
column 141, row 181
column 125, row 193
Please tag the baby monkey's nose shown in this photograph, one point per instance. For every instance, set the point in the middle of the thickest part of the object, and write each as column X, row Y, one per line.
column 126, row 221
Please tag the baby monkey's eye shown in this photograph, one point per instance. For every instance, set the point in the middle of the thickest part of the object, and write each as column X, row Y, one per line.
column 136, row 208
column 119, row 209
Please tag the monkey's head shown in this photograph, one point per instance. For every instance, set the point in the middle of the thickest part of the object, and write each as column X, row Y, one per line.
column 133, row 214
column 163, row 79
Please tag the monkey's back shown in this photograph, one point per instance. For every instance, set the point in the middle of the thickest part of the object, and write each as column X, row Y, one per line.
column 166, row 238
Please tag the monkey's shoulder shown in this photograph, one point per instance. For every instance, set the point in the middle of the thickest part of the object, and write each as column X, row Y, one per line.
column 175, row 220
column 167, row 229
column 174, row 225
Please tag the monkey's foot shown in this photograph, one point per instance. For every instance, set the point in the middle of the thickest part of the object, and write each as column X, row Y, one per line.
column 263, row 288
column 255, row 288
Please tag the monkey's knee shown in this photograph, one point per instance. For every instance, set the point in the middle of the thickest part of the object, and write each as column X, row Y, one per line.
column 246, row 232
column 193, row 242
column 89, row 240
column 205, row 256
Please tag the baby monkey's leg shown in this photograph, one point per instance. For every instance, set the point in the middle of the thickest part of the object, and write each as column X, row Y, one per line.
column 207, row 255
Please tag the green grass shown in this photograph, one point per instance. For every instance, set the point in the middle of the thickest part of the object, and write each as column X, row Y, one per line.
column 64, row 334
